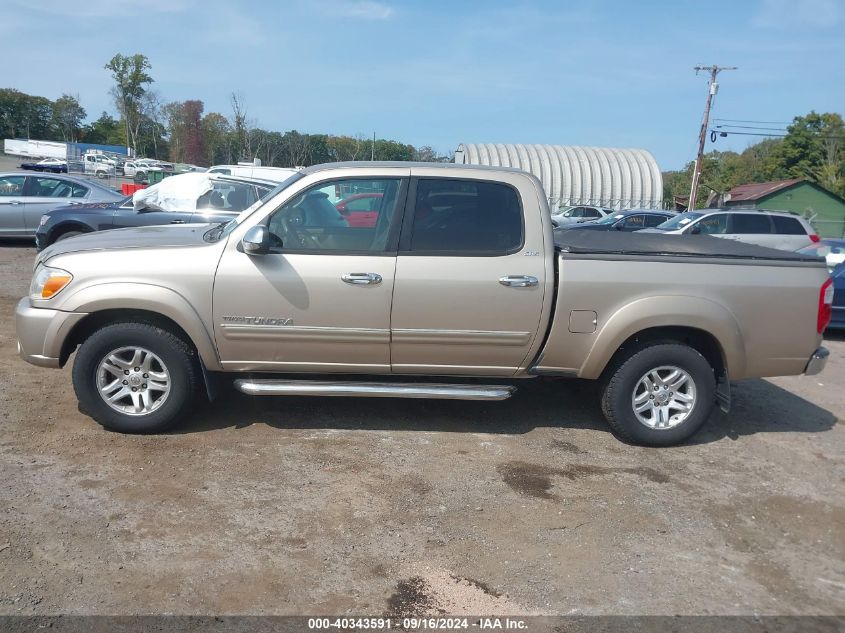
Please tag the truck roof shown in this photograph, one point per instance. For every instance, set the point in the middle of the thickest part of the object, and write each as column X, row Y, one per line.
column 358, row 164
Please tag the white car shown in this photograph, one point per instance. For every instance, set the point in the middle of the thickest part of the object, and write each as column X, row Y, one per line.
column 774, row 229
column 139, row 168
column 276, row 174
column 573, row 215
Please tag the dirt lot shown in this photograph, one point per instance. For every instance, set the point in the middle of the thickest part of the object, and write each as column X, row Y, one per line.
column 332, row 506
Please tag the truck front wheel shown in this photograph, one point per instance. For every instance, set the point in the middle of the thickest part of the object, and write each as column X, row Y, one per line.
column 659, row 395
column 135, row 377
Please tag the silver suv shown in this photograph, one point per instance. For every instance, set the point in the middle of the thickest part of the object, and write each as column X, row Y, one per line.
column 775, row 229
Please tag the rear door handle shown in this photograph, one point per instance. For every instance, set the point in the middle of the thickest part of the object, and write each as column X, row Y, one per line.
column 361, row 279
column 15, row 202
column 518, row 281
column 177, row 221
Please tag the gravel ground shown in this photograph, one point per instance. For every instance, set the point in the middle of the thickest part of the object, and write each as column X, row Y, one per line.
column 334, row 506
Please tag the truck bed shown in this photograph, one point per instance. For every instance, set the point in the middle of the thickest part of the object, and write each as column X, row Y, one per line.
column 759, row 305
column 577, row 242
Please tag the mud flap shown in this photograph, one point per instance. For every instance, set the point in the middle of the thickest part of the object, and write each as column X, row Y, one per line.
column 723, row 393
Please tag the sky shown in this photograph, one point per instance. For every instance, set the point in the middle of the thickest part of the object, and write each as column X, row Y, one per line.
column 611, row 73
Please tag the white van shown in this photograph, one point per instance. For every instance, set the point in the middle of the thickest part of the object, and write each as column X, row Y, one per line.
column 276, row 174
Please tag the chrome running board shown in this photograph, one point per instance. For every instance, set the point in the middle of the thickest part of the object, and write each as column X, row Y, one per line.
column 373, row 389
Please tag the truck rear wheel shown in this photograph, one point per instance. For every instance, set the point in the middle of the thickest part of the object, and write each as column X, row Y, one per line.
column 135, row 377
column 659, row 395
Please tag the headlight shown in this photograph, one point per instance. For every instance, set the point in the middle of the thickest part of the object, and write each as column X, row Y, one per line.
column 43, row 220
column 47, row 282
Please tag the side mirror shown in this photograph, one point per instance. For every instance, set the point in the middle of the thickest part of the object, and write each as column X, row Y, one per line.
column 256, row 241
column 695, row 230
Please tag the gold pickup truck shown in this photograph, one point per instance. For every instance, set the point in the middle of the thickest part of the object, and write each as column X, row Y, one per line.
column 453, row 285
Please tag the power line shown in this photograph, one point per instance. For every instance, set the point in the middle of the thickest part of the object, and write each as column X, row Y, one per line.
column 751, row 121
column 751, row 127
column 727, row 132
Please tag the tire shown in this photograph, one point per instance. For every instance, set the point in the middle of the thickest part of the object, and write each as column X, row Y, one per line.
column 627, row 385
column 139, row 176
column 101, row 174
column 66, row 235
column 173, row 363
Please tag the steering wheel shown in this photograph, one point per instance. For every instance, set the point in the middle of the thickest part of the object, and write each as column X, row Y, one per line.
column 292, row 222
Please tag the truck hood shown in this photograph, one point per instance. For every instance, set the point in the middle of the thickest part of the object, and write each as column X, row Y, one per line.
column 140, row 237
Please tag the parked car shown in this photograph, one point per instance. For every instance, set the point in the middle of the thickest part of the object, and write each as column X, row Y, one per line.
column 276, row 174
column 24, row 198
column 360, row 209
column 223, row 199
column 573, row 215
column 422, row 305
column 138, row 170
column 837, row 320
column 832, row 250
column 632, row 220
column 52, row 165
column 775, row 229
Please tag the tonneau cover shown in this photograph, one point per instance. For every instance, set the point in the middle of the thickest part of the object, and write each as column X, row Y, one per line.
column 637, row 243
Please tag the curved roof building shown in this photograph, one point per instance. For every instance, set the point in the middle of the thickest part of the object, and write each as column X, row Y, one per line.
column 572, row 175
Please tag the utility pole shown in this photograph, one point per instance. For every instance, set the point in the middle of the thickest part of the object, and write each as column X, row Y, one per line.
column 373, row 148
column 713, row 88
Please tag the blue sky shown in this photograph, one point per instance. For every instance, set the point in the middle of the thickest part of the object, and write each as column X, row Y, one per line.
column 604, row 72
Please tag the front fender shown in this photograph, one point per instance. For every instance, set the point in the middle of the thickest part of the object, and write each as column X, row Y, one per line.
column 152, row 298
column 667, row 311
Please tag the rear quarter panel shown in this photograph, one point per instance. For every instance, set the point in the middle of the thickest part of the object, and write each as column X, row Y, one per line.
column 763, row 315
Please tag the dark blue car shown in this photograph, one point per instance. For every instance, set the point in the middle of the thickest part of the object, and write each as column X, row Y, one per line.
column 631, row 220
column 837, row 321
column 229, row 196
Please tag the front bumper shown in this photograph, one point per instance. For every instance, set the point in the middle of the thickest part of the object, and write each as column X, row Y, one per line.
column 42, row 332
column 817, row 362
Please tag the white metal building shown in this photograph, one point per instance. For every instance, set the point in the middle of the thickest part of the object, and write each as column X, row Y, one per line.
column 571, row 175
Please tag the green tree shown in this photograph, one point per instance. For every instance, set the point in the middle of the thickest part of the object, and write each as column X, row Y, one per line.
column 130, row 81
column 813, row 149
column 105, row 130
column 23, row 115
column 68, row 115
column 219, row 139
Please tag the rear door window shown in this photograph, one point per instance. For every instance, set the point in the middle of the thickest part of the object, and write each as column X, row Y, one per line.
column 654, row 220
column 750, row 224
column 466, row 217
column 787, row 226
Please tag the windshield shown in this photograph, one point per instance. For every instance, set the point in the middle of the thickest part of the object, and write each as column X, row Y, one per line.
column 222, row 230
column 679, row 221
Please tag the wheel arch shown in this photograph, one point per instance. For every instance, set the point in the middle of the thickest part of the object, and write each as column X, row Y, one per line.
column 65, row 227
column 108, row 303
column 700, row 323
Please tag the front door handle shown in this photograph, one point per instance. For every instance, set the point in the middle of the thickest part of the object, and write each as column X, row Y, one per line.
column 360, row 279
column 177, row 221
column 518, row 281
column 15, row 202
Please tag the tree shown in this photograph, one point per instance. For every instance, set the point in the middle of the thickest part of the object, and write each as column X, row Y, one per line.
column 241, row 126
column 218, row 139
column 105, row 130
column 68, row 115
column 194, row 140
column 813, row 148
column 23, row 115
column 130, row 77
